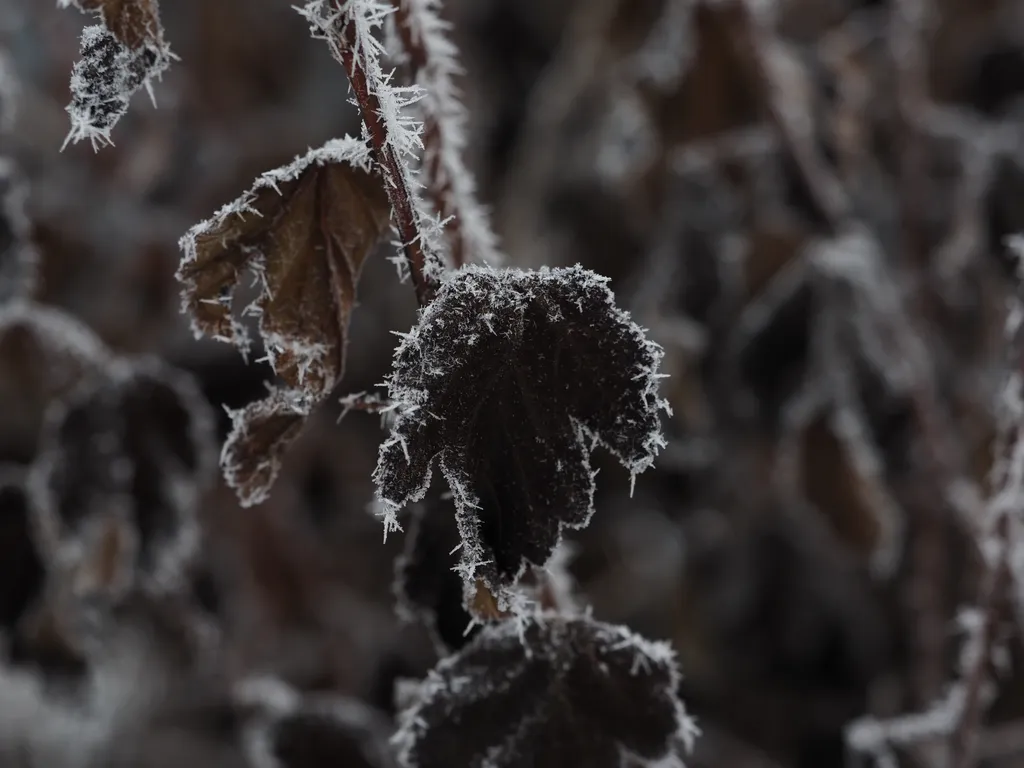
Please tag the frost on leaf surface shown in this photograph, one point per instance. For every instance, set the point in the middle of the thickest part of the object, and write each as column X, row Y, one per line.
column 123, row 462
column 303, row 231
column 122, row 54
column 17, row 257
column 22, row 571
column 507, row 383
column 564, row 692
column 287, row 729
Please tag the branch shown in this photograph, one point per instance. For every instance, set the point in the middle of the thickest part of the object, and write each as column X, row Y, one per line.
column 347, row 26
column 433, row 63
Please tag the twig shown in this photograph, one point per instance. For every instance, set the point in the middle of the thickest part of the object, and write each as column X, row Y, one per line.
column 347, row 27
column 432, row 60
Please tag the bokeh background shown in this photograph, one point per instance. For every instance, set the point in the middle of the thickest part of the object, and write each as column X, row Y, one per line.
column 806, row 203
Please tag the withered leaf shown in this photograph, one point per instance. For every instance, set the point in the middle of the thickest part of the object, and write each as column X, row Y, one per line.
column 134, row 446
column 44, row 353
column 22, row 569
column 556, row 692
column 287, row 729
column 304, row 230
column 508, row 383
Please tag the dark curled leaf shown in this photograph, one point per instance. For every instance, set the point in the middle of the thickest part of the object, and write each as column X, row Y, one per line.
column 22, row 570
column 17, row 257
column 44, row 353
column 304, row 231
column 119, row 56
column 564, row 692
column 427, row 587
column 125, row 458
column 508, row 382
column 286, row 729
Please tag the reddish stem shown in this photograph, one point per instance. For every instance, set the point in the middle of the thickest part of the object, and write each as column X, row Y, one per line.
column 387, row 158
column 440, row 186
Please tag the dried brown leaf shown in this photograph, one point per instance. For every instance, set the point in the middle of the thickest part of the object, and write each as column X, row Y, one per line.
column 304, row 230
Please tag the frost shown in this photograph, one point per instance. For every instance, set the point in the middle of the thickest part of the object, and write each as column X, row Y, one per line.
column 104, row 81
column 560, row 692
column 508, row 383
column 433, row 57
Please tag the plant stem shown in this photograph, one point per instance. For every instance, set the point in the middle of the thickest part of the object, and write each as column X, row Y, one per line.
column 395, row 179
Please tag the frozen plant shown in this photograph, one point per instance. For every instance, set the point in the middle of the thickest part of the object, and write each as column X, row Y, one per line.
column 507, row 383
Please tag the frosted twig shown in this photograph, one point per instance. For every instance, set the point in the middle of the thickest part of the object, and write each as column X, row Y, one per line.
column 432, row 59
column 348, row 26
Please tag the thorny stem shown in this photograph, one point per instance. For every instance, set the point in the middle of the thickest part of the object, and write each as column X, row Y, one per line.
column 439, row 179
column 398, row 193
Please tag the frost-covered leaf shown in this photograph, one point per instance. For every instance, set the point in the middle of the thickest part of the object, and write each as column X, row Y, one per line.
column 508, row 383
column 22, row 570
column 261, row 433
column 291, row 730
column 122, row 54
column 17, row 257
column 124, row 460
column 304, row 230
column 564, row 692
column 44, row 353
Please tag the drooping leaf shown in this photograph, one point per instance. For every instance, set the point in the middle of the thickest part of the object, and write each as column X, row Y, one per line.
column 508, row 383
column 122, row 54
column 556, row 692
column 304, row 230
column 287, row 729
column 44, row 353
column 124, row 460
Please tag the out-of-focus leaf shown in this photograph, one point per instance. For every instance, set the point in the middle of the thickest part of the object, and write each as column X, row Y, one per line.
column 290, row 730
column 133, row 448
column 555, row 692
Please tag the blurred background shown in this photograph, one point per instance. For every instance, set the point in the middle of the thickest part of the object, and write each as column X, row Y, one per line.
column 805, row 201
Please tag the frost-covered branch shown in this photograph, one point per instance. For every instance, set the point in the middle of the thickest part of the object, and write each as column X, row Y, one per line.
column 433, row 62
column 348, row 27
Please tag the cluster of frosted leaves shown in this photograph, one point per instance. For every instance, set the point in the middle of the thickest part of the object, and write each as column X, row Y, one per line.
column 22, row 568
column 120, row 55
column 554, row 692
column 303, row 231
column 286, row 729
column 124, row 459
column 44, row 353
column 17, row 257
column 508, row 383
